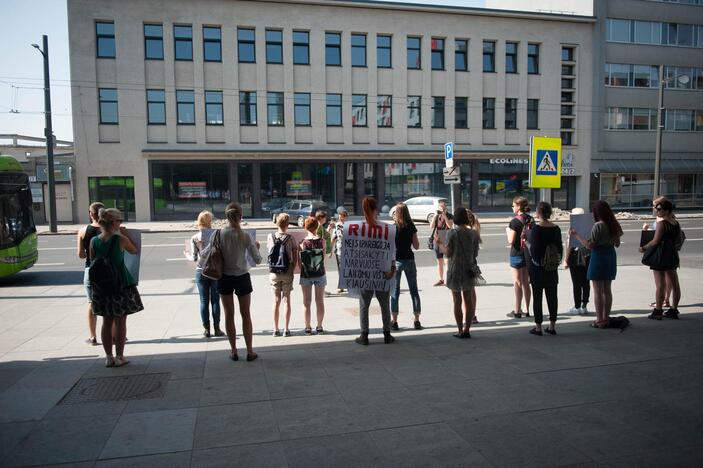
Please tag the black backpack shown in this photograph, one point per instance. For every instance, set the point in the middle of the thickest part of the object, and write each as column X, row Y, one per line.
column 278, row 255
column 104, row 277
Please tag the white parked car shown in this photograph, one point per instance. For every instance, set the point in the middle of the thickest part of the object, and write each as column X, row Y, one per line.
column 421, row 208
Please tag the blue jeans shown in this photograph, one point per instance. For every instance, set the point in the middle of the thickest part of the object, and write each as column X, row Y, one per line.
column 407, row 266
column 208, row 296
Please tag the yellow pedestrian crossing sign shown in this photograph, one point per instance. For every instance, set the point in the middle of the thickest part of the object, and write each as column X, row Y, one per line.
column 545, row 162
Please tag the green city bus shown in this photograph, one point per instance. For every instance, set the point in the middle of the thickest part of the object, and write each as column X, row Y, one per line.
column 18, row 234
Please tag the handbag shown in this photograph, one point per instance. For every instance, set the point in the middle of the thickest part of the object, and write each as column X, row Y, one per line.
column 213, row 261
column 659, row 257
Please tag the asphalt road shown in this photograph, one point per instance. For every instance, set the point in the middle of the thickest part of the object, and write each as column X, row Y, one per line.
column 162, row 256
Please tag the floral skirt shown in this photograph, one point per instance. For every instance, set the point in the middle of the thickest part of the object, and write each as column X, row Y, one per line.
column 125, row 302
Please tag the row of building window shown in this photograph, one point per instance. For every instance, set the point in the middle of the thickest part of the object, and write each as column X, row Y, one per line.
column 642, row 118
column 654, row 32
column 214, row 109
column 647, row 76
column 683, row 2
column 246, row 48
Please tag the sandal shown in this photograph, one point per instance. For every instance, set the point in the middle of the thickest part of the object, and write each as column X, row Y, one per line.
column 92, row 341
column 550, row 331
column 286, row 333
column 277, row 332
column 121, row 361
column 439, row 283
column 319, row 330
column 417, row 325
column 394, row 326
column 109, row 361
column 308, row 331
column 251, row 356
column 234, row 356
column 474, row 320
column 513, row 314
column 600, row 325
column 534, row 331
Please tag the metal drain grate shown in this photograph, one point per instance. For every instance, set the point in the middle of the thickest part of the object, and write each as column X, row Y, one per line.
column 121, row 388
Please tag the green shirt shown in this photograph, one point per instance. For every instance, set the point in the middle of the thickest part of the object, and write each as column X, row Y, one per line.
column 115, row 255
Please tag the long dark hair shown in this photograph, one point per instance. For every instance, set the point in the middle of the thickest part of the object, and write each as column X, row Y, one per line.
column 402, row 216
column 602, row 212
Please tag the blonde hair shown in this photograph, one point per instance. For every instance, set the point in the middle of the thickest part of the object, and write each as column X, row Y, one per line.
column 311, row 224
column 233, row 213
column 204, row 220
column 474, row 223
column 107, row 216
column 282, row 220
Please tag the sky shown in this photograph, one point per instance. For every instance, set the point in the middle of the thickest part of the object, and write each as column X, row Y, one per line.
column 23, row 22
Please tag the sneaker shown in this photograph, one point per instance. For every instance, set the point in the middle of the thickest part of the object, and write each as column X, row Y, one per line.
column 308, row 331
column 394, row 326
column 362, row 339
column 286, row 333
column 219, row 332
column 575, row 311
column 672, row 313
column 417, row 325
column 583, row 311
column 319, row 330
column 656, row 314
column 513, row 314
column 206, row 333
column 277, row 333
column 340, row 290
column 474, row 320
column 388, row 338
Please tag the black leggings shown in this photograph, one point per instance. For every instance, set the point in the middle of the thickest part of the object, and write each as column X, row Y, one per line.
column 581, row 285
column 552, row 301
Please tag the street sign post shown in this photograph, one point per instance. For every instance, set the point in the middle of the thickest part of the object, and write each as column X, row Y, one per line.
column 545, row 162
column 449, row 165
column 449, row 154
column 451, row 175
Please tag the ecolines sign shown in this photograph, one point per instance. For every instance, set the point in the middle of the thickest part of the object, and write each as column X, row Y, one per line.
column 509, row 161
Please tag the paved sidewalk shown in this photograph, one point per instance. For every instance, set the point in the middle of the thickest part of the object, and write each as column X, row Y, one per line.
column 504, row 398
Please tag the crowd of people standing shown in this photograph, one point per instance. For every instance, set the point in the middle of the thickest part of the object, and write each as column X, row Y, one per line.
column 535, row 255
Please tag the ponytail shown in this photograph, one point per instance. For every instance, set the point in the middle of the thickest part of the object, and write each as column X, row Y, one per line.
column 233, row 213
column 474, row 223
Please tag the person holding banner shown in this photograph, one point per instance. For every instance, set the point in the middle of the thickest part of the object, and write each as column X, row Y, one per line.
column 113, row 305
column 312, row 274
column 576, row 260
column 518, row 263
column 371, row 227
column 605, row 237
column 405, row 240
column 207, row 287
column 234, row 244
column 463, row 272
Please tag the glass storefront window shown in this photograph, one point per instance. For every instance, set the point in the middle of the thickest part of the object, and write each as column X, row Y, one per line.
column 282, row 182
column 405, row 180
column 184, row 190
column 245, row 178
column 114, row 192
column 498, row 184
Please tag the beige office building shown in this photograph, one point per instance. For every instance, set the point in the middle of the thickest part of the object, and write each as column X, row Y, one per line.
column 185, row 105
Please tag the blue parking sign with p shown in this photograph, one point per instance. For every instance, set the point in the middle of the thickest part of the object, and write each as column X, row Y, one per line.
column 449, row 154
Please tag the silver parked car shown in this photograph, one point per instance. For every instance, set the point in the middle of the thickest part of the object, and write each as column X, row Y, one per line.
column 422, row 208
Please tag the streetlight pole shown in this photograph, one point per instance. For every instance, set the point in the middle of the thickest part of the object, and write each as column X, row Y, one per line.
column 49, row 134
column 660, row 127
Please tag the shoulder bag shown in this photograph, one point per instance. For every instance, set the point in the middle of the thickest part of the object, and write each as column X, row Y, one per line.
column 213, row 261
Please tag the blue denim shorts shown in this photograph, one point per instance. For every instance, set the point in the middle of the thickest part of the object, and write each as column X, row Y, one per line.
column 318, row 281
column 86, row 285
column 517, row 261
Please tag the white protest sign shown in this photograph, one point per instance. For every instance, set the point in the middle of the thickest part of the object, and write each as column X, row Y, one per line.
column 367, row 252
column 582, row 223
column 131, row 261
